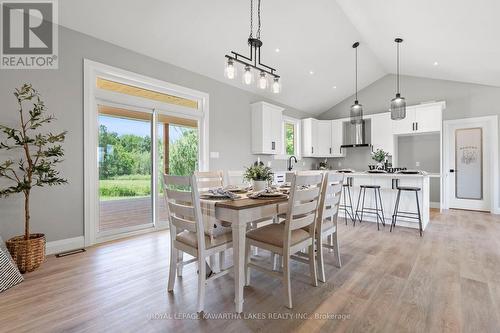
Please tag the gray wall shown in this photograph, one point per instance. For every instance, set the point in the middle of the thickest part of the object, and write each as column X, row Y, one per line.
column 463, row 100
column 425, row 150
column 58, row 212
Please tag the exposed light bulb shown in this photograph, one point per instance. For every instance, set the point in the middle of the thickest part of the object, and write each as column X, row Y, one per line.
column 262, row 81
column 248, row 76
column 230, row 70
column 276, row 87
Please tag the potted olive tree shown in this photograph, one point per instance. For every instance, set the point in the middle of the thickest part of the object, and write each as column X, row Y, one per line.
column 259, row 175
column 35, row 167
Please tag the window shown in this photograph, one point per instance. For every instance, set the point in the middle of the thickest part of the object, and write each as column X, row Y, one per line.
column 291, row 136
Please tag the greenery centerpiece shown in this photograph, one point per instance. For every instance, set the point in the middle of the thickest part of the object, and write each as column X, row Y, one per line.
column 259, row 175
column 40, row 153
column 379, row 156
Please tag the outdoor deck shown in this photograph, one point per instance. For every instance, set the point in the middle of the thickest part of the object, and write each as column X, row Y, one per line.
column 116, row 214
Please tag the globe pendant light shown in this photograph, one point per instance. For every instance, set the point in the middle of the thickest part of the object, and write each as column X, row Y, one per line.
column 356, row 109
column 398, row 103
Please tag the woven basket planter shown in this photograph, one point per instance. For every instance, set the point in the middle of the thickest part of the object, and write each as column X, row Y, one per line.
column 28, row 254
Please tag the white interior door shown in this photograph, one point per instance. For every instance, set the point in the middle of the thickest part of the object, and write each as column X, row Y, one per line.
column 468, row 174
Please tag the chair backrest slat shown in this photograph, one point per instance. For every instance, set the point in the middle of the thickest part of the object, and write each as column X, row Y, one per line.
column 183, row 206
column 330, row 198
column 209, row 179
column 303, row 202
column 235, row 178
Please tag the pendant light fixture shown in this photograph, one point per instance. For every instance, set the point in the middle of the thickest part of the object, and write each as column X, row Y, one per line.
column 356, row 109
column 398, row 103
column 253, row 61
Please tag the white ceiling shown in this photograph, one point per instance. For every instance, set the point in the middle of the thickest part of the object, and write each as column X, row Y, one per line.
column 311, row 35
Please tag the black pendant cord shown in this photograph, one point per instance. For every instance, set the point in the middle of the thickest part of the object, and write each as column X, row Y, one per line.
column 356, row 50
column 258, row 18
column 251, row 19
column 397, row 70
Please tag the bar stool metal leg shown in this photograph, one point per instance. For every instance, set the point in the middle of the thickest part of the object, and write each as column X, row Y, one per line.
column 381, row 208
column 363, row 204
column 376, row 208
column 357, row 206
column 396, row 207
column 419, row 217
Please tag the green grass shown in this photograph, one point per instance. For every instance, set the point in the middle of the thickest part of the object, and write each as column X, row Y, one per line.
column 121, row 187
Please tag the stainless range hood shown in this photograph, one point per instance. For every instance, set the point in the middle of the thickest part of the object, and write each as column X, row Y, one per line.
column 355, row 134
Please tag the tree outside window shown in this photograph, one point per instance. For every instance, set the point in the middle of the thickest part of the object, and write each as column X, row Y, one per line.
column 289, row 138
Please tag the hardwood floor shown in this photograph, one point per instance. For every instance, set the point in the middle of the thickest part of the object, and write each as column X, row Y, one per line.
column 447, row 281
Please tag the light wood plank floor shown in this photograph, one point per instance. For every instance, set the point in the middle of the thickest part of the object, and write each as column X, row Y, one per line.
column 447, row 281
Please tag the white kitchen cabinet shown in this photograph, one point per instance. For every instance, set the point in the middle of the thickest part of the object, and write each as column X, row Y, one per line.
column 324, row 138
column 267, row 120
column 321, row 138
column 422, row 118
column 310, row 137
column 337, row 138
column 381, row 132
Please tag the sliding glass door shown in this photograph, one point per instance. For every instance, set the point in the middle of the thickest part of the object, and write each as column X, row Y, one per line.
column 125, row 160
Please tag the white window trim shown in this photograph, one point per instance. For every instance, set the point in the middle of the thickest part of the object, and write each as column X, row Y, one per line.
column 92, row 94
column 296, row 123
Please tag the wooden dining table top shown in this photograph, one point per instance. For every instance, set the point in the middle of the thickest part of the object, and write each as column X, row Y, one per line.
column 247, row 203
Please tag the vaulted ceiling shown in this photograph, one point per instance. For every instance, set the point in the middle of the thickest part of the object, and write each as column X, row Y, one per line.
column 460, row 36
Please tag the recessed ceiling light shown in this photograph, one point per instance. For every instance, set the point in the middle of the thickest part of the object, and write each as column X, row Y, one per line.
column 436, row 63
column 311, row 72
column 334, row 87
column 277, row 50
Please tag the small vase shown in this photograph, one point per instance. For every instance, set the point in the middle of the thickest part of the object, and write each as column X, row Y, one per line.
column 259, row 185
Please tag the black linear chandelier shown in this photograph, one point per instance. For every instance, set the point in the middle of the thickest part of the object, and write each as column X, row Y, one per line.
column 254, row 60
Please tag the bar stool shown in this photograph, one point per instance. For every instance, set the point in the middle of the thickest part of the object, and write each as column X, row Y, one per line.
column 346, row 193
column 368, row 210
column 408, row 215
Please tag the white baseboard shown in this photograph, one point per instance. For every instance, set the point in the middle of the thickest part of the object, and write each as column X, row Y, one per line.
column 434, row 204
column 63, row 245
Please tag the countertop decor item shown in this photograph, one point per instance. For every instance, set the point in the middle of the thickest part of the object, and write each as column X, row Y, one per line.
column 398, row 103
column 260, row 176
column 253, row 61
column 379, row 156
column 323, row 165
column 36, row 167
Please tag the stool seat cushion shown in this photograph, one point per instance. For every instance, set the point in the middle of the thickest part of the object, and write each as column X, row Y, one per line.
column 408, row 188
column 370, row 186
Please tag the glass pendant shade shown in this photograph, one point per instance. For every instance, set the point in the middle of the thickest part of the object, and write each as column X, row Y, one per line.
column 230, row 70
column 276, row 87
column 262, row 80
column 398, row 108
column 248, row 76
column 356, row 114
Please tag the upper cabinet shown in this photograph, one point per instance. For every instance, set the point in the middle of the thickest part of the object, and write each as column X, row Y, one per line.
column 422, row 118
column 310, row 137
column 267, row 121
column 381, row 131
column 321, row 138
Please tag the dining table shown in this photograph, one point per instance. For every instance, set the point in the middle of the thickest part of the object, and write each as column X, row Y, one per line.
column 239, row 213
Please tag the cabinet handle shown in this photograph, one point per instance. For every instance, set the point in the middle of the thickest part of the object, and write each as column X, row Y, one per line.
column 273, row 145
column 330, row 150
column 412, row 126
column 416, row 126
column 312, row 150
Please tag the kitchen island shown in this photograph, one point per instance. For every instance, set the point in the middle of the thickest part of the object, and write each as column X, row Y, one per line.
column 388, row 183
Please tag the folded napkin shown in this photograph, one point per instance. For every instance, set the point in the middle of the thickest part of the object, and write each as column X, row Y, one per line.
column 258, row 194
column 223, row 193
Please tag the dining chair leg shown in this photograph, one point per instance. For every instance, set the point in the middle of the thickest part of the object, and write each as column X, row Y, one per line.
column 330, row 242
column 321, row 264
column 337, row 248
column 173, row 268
column 247, row 262
column 180, row 262
column 312, row 265
column 201, row 283
column 286, row 280
column 222, row 260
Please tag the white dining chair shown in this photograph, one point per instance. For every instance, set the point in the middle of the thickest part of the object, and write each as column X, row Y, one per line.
column 209, row 179
column 236, row 178
column 290, row 237
column 187, row 232
column 326, row 224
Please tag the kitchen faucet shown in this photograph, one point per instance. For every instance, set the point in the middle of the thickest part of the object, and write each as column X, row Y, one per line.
column 290, row 167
